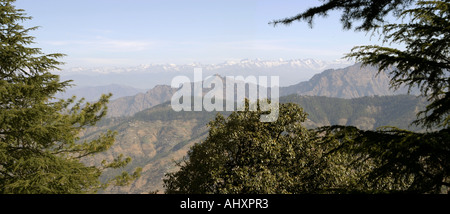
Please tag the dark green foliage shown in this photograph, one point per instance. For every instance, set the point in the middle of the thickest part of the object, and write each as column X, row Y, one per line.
column 425, row 61
column 369, row 12
column 242, row 155
column 400, row 160
column 39, row 148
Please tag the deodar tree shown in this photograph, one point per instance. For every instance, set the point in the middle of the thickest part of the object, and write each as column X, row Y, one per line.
column 40, row 151
column 402, row 160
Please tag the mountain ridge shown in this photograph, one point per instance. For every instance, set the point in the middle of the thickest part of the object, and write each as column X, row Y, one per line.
column 349, row 82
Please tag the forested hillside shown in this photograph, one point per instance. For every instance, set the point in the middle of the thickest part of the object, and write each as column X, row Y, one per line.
column 156, row 137
column 364, row 112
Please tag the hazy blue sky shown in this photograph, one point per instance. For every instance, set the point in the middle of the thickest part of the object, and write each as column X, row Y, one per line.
column 132, row 32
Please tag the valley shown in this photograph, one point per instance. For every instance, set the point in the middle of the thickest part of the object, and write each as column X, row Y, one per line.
column 156, row 137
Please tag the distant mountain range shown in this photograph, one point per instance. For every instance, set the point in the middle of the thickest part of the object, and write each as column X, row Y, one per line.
column 349, row 82
column 148, row 76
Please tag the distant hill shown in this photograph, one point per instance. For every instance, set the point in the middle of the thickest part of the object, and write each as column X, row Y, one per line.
column 158, row 136
column 350, row 82
column 93, row 93
column 127, row 106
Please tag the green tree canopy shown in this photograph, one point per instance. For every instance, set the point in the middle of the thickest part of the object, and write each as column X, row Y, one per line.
column 400, row 160
column 40, row 150
column 242, row 155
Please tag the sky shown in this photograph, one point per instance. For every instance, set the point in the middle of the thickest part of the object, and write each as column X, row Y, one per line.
column 96, row 33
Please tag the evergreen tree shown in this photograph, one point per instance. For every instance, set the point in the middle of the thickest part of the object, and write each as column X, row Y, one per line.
column 393, row 160
column 401, row 160
column 424, row 63
column 370, row 13
column 40, row 150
